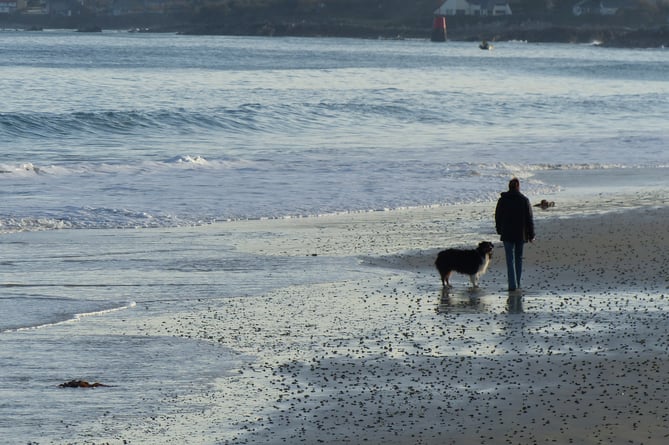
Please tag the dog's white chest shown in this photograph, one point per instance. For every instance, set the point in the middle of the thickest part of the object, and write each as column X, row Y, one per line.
column 484, row 265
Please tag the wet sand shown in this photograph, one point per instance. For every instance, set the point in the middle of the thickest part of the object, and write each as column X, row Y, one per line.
column 579, row 356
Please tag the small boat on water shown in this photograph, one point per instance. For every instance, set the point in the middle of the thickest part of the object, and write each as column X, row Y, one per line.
column 485, row 45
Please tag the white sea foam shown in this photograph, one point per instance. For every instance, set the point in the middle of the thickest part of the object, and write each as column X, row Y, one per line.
column 53, row 314
column 199, row 160
column 193, row 190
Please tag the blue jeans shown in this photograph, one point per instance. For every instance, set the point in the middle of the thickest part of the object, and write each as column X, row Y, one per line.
column 514, row 262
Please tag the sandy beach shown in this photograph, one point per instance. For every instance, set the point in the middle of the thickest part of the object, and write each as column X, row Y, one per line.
column 388, row 356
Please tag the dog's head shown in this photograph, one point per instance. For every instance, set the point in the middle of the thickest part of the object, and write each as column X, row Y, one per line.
column 486, row 247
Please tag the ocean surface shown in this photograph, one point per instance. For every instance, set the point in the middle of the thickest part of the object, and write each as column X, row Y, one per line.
column 162, row 133
column 136, row 130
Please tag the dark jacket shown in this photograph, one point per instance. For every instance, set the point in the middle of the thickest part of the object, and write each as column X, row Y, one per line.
column 513, row 217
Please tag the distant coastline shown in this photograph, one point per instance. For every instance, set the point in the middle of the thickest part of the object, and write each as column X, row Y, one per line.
column 542, row 32
column 623, row 37
column 656, row 37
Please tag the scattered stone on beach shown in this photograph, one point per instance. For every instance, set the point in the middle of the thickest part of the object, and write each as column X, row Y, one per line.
column 81, row 384
column 577, row 357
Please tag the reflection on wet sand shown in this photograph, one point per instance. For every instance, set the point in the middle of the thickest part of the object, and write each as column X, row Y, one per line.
column 514, row 304
column 469, row 300
column 472, row 300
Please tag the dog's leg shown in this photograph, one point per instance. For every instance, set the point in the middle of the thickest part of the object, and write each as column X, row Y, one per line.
column 474, row 279
column 448, row 275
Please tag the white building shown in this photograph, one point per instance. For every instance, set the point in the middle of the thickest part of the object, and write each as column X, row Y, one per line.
column 7, row 6
column 602, row 7
column 474, row 7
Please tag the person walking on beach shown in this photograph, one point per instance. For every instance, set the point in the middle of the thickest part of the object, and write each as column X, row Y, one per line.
column 515, row 224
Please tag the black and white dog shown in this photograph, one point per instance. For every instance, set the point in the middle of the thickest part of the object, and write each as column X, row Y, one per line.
column 472, row 262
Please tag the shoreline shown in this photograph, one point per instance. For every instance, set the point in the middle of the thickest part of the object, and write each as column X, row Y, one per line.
column 392, row 358
column 614, row 36
column 368, row 347
column 475, row 366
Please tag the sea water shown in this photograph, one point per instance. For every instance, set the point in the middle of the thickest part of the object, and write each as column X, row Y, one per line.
column 158, row 135
column 134, row 130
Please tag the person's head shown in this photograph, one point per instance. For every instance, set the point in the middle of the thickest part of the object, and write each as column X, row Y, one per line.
column 514, row 184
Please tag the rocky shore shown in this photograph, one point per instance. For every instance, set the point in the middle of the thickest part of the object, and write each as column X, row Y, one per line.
column 656, row 37
column 612, row 37
column 530, row 31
